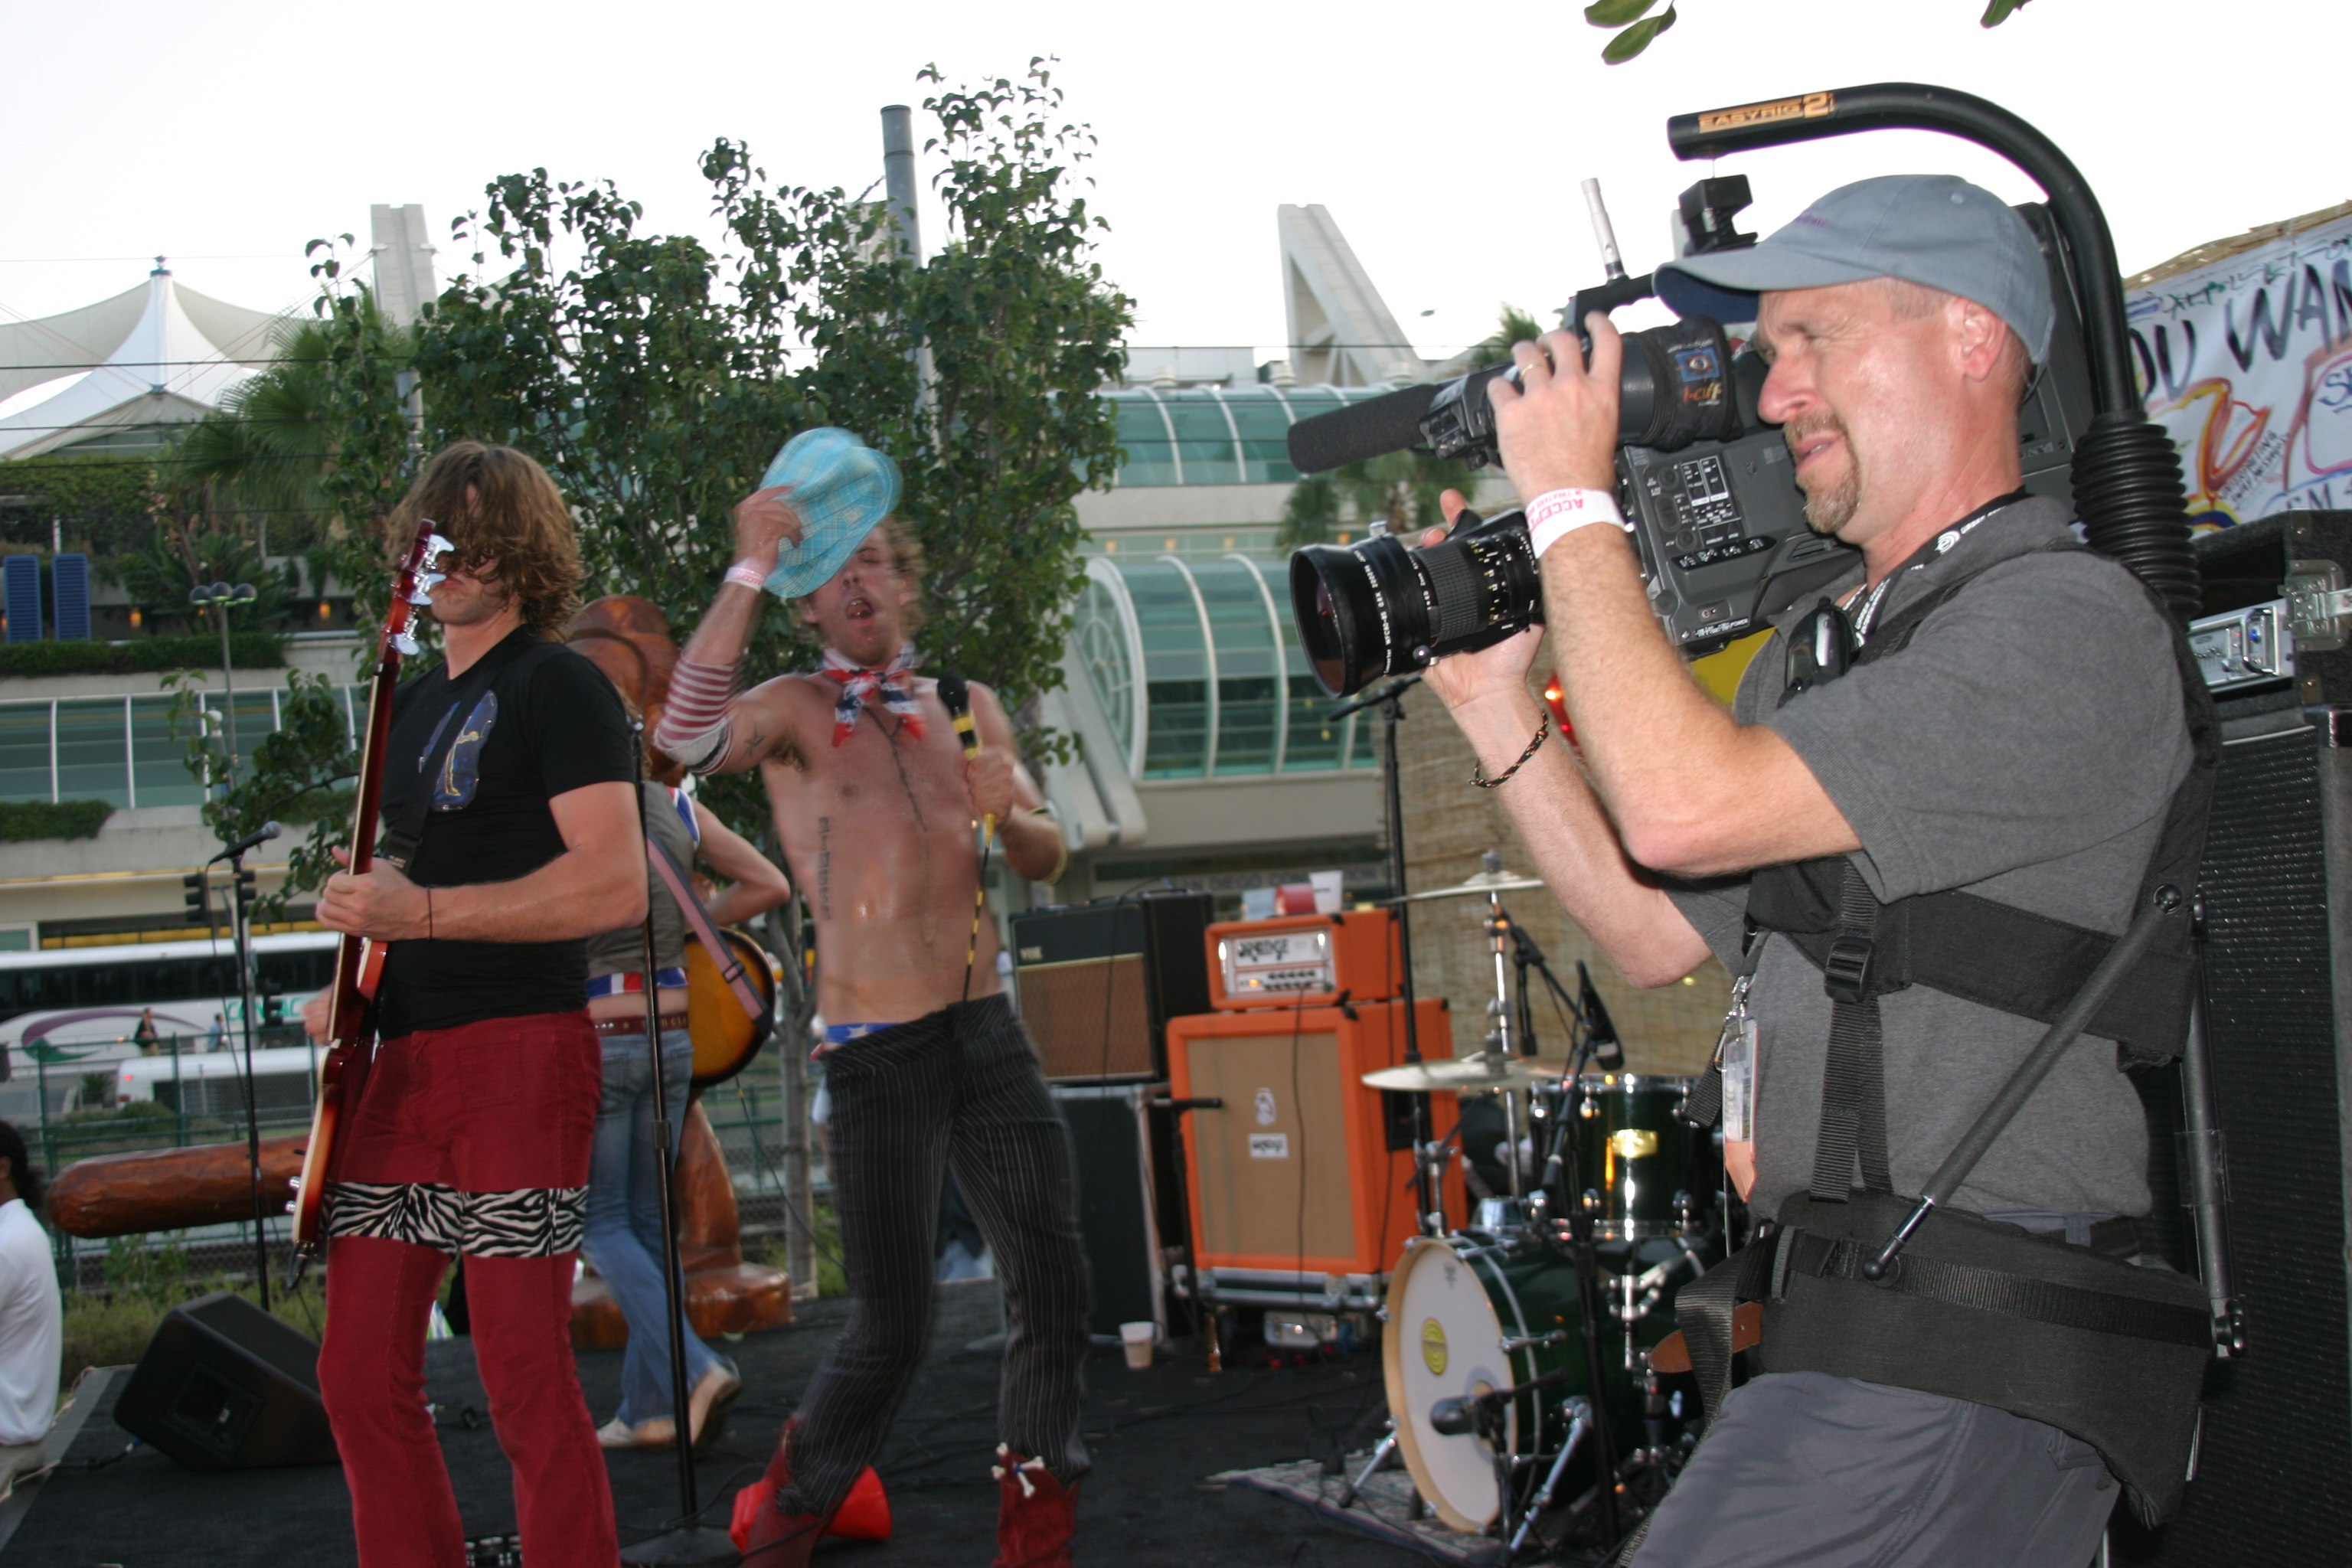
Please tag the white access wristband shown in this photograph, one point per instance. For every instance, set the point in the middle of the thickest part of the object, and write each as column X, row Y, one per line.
column 1555, row 514
column 746, row 573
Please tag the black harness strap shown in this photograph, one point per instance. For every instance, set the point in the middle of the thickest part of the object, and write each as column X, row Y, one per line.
column 1854, row 1074
column 1997, row 1290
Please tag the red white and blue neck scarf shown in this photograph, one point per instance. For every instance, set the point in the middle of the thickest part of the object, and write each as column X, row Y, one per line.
column 856, row 681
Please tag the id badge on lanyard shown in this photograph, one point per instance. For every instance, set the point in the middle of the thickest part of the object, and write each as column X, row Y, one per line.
column 1735, row 1052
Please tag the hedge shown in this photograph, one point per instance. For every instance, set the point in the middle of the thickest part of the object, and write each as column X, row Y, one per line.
column 248, row 650
column 22, row 821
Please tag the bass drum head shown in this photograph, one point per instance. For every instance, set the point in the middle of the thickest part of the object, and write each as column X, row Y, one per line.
column 1444, row 1341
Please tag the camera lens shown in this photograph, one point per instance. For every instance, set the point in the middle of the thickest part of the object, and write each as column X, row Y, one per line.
column 1376, row 609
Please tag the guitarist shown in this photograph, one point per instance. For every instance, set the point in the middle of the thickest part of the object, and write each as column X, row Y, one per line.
column 926, row 1063
column 510, row 776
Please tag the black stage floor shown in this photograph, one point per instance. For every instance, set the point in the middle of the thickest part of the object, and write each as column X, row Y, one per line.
column 1156, row 1437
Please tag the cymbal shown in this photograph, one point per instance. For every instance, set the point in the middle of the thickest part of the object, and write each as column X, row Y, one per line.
column 1477, row 1074
column 1481, row 883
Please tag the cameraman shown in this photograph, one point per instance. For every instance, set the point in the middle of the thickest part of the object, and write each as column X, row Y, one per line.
column 2024, row 745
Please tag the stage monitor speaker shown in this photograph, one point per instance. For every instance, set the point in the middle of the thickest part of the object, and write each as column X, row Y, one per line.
column 1292, row 1179
column 226, row 1386
column 2274, row 1480
column 1109, row 1134
column 1100, row 982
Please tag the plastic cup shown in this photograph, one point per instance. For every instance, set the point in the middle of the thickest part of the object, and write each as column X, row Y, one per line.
column 1135, row 1339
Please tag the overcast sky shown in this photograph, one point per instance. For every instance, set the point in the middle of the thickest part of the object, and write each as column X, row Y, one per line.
column 1447, row 140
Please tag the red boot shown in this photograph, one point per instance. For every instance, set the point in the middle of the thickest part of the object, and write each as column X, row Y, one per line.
column 1036, row 1514
column 762, row 1531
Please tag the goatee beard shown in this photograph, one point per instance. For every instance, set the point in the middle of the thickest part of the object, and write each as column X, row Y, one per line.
column 1829, row 506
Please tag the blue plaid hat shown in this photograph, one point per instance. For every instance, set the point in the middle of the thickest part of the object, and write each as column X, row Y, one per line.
column 841, row 488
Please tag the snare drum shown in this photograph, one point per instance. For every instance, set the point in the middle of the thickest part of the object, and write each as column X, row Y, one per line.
column 1641, row 1170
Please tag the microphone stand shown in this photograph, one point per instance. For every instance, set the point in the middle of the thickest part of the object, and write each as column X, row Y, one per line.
column 1429, row 1193
column 241, row 936
column 688, row 1541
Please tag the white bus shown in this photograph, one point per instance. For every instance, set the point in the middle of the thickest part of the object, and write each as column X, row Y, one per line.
column 72, row 1005
column 211, row 1083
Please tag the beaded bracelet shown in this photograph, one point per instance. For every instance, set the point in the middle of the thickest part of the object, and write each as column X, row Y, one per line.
column 1479, row 770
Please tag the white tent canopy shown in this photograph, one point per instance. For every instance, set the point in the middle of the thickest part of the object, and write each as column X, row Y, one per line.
column 161, row 354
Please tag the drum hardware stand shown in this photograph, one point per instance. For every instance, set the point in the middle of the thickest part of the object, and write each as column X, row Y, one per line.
column 1429, row 1196
column 2205, row 1162
column 1371, row 1467
column 1579, row 1424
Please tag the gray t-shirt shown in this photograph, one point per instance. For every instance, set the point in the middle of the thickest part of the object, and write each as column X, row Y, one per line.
column 2024, row 747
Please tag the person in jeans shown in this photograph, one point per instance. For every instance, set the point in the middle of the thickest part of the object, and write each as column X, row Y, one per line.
column 926, row 1063
column 622, row 1238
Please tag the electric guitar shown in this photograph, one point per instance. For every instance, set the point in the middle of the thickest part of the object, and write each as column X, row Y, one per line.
column 359, row 960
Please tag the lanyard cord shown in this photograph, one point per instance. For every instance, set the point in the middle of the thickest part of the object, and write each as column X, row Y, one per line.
column 1935, row 549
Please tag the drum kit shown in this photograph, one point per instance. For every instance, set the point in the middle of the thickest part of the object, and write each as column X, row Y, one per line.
column 1516, row 1354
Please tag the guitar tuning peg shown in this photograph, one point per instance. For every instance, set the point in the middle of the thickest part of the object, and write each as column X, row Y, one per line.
column 435, row 547
column 407, row 644
column 422, row 592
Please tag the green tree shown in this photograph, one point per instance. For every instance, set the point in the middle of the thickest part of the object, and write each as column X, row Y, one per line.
column 1633, row 26
column 656, row 377
column 1399, row 490
column 264, row 456
column 180, row 553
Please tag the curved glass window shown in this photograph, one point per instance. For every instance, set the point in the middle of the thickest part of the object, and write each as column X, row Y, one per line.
column 1264, row 425
column 1248, row 665
column 1143, row 433
column 1176, row 665
column 1098, row 631
column 1197, row 668
column 1203, row 439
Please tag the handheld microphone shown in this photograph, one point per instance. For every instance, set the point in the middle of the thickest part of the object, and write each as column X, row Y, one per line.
column 261, row 834
column 957, row 695
column 1608, row 1051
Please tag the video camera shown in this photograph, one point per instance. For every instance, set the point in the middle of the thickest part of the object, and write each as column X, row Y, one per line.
column 1706, row 483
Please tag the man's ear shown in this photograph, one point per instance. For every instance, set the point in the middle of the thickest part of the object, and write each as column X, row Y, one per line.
column 1978, row 338
column 805, row 611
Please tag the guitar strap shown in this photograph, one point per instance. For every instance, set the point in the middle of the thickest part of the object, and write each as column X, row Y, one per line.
column 722, row 952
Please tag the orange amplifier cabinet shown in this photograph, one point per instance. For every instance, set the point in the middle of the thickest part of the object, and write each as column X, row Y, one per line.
column 1306, row 961
column 1294, row 1175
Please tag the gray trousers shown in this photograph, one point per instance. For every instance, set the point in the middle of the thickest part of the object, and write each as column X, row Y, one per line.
column 959, row 1085
column 1807, row 1468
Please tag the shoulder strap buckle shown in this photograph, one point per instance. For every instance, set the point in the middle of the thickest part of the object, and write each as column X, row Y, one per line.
column 1846, row 968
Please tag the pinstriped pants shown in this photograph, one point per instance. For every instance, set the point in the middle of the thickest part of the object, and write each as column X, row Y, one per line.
column 960, row 1085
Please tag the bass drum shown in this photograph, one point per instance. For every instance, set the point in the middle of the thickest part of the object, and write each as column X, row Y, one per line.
column 725, row 1037
column 1452, row 1304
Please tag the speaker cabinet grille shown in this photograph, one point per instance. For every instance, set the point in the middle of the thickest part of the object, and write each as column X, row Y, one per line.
column 2274, row 1468
column 1090, row 1017
column 1100, row 982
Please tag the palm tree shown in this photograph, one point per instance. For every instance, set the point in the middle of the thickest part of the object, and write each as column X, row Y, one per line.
column 262, row 457
column 1398, row 489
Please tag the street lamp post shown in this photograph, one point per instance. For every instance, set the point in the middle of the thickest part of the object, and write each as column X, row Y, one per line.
column 222, row 595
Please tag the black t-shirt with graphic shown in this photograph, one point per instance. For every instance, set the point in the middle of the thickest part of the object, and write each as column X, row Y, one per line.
column 547, row 723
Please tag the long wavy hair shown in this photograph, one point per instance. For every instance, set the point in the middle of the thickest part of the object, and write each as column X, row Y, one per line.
column 501, row 510
column 22, row 1171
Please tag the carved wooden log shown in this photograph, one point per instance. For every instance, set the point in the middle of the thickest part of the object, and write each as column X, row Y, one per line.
column 724, row 1295
column 172, row 1189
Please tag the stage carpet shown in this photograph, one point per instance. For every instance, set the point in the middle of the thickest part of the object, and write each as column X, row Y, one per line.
column 1158, row 1439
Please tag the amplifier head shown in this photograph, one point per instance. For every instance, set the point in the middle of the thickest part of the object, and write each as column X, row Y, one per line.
column 1305, row 961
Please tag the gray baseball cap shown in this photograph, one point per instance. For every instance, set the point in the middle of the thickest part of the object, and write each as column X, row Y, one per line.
column 1933, row 229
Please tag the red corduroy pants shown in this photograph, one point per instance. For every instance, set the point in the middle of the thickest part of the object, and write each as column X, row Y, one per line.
column 504, row 1106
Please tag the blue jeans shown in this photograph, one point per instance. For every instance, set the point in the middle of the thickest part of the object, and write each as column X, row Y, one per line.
column 622, row 1237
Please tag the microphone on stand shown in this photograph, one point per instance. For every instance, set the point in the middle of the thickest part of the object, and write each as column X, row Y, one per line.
column 261, row 834
column 1608, row 1051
